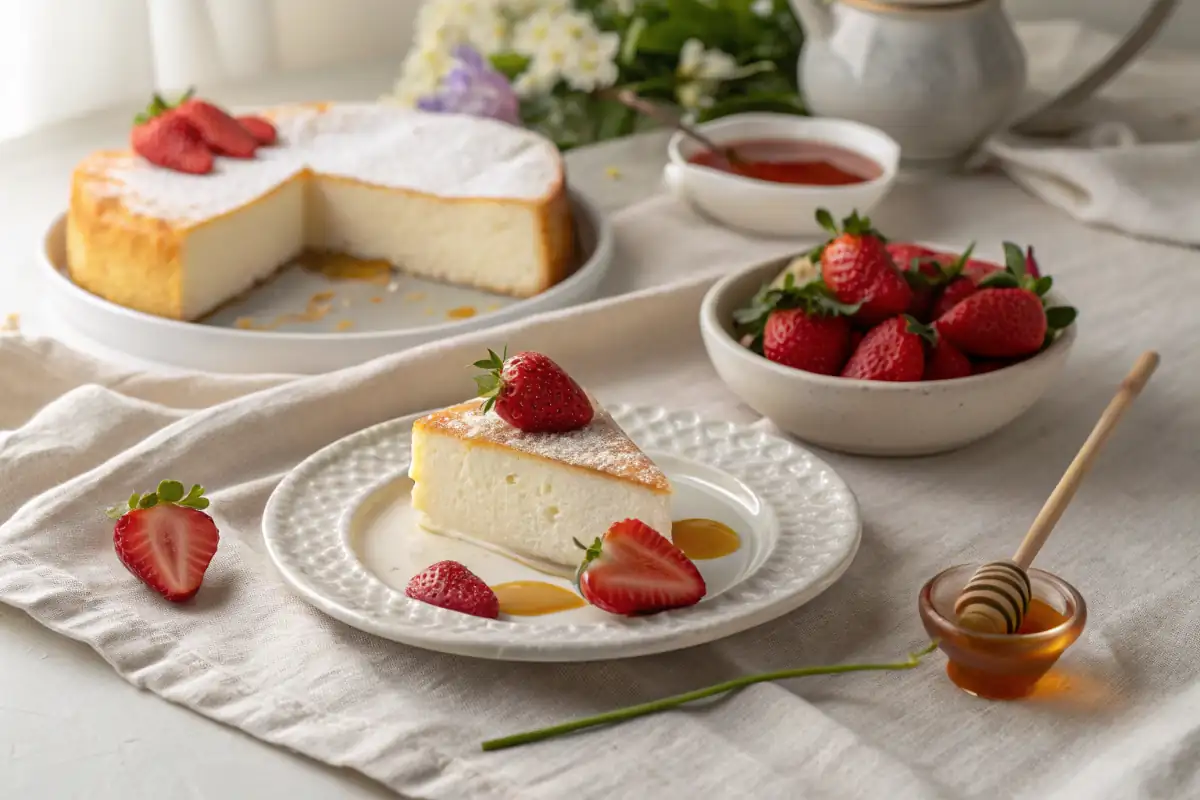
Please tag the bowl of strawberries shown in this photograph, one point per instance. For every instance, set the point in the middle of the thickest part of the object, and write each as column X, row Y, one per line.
column 885, row 348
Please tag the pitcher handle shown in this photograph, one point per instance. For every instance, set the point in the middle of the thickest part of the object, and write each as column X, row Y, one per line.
column 1119, row 58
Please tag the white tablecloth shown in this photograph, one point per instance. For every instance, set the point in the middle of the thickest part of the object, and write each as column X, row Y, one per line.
column 251, row 655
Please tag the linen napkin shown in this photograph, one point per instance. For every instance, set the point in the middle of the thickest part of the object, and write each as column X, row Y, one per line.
column 1134, row 163
column 249, row 654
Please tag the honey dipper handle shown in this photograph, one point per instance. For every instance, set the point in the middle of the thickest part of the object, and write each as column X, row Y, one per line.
column 1062, row 495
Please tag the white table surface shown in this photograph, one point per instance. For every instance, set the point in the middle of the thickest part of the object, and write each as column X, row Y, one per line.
column 69, row 727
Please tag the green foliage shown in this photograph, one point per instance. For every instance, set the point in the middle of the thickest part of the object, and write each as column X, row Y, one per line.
column 766, row 47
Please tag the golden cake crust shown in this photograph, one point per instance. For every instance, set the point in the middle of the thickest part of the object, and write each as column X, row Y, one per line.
column 601, row 447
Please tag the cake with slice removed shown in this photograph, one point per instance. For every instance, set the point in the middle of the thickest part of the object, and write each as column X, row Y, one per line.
column 448, row 197
column 530, row 495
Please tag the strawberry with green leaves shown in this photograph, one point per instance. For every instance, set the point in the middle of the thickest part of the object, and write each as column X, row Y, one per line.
column 532, row 393
column 857, row 268
column 1006, row 317
column 633, row 569
column 803, row 327
column 894, row 350
column 929, row 276
column 165, row 539
column 166, row 139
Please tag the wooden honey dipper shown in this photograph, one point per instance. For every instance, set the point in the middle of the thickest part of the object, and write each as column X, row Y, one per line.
column 998, row 595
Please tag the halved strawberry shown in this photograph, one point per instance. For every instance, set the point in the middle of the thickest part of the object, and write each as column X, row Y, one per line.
column 261, row 129
column 166, row 540
column 221, row 132
column 633, row 569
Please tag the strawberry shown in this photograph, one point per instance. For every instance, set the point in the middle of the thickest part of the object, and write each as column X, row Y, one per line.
column 532, row 393
column 856, row 267
column 261, row 129
column 955, row 291
column 1006, row 317
column 984, row 366
column 945, row 362
column 798, row 326
column 633, row 569
column 222, row 133
column 891, row 351
column 905, row 253
column 166, row 139
column 927, row 275
column 856, row 337
column 165, row 539
column 996, row 323
column 450, row 585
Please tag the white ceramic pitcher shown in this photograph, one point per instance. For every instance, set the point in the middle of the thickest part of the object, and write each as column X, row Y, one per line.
column 938, row 76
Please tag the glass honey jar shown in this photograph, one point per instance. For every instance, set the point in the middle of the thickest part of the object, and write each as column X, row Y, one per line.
column 1002, row 666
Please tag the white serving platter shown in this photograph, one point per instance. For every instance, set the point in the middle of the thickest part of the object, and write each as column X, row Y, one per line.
column 365, row 320
column 351, row 552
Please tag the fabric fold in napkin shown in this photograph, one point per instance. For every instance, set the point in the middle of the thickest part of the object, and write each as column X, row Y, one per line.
column 1134, row 163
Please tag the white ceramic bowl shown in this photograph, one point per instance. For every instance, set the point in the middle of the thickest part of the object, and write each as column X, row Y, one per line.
column 874, row 418
column 776, row 209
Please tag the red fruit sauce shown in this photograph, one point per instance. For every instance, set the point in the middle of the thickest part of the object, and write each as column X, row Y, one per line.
column 792, row 161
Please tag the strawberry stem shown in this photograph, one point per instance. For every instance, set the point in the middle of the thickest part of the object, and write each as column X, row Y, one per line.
column 666, row 703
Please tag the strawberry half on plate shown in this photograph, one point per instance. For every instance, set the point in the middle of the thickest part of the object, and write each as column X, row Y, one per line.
column 633, row 569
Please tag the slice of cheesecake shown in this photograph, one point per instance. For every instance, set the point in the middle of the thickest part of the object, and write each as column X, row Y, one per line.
column 530, row 495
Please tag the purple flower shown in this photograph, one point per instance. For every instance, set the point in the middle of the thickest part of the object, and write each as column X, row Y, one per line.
column 473, row 87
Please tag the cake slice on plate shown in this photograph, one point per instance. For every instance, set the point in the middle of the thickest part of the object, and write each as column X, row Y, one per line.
column 528, row 493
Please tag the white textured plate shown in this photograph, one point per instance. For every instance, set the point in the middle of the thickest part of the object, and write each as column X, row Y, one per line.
column 340, row 530
column 413, row 312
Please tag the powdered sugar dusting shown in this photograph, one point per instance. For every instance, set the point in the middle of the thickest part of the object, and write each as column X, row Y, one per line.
column 448, row 155
column 601, row 446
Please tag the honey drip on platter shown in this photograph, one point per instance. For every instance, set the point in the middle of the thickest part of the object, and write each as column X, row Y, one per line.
column 340, row 267
column 316, row 310
column 462, row 312
column 535, row 598
column 704, row 539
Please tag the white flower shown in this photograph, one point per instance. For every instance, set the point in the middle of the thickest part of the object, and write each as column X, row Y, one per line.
column 762, row 8
column 697, row 63
column 626, row 7
column 565, row 46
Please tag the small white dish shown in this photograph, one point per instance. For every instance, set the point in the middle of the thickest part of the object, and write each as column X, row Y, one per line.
column 874, row 418
column 778, row 209
column 350, row 554
column 380, row 319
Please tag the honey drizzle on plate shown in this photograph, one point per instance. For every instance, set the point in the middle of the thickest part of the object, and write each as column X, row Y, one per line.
column 704, row 539
column 535, row 598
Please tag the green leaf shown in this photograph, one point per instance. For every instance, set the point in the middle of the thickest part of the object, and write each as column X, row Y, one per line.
column 148, row 500
column 1014, row 259
column 825, row 220
column 200, row 504
column 1043, row 285
column 1060, row 317
column 170, row 491
column 133, row 499
column 631, row 41
column 510, row 65
column 999, row 280
column 196, row 491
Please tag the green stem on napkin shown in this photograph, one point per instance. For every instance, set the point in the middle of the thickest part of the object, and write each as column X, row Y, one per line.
column 642, row 709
